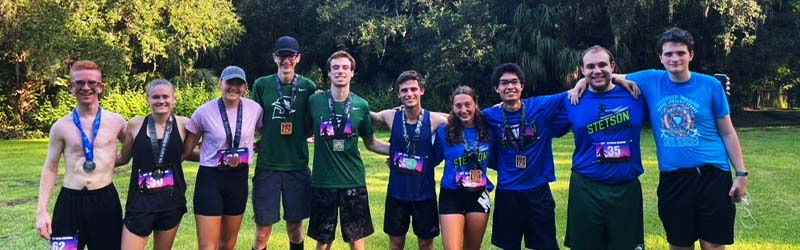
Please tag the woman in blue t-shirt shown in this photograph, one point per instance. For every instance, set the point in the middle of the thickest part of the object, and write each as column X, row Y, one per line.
column 464, row 197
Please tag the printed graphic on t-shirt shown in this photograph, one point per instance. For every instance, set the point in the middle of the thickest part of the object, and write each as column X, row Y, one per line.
column 678, row 127
column 280, row 108
column 610, row 120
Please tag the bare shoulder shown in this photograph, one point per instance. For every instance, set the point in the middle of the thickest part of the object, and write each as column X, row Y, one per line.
column 437, row 119
column 182, row 121
column 135, row 124
column 114, row 117
column 59, row 126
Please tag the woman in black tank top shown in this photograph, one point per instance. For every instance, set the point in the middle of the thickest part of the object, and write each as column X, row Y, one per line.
column 156, row 195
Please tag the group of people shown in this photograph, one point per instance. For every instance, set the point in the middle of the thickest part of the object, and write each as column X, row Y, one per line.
column 695, row 140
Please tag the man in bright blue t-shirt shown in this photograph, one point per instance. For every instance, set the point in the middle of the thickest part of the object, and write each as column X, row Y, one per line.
column 522, row 141
column 696, row 145
column 604, row 210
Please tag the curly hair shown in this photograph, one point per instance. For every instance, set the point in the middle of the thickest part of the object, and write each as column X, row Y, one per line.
column 455, row 129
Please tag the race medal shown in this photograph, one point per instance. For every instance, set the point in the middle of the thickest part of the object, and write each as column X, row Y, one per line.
column 521, row 161
column 157, row 180
column 475, row 175
column 88, row 166
column 232, row 160
column 286, row 128
column 408, row 164
column 326, row 129
column 338, row 145
column 64, row 243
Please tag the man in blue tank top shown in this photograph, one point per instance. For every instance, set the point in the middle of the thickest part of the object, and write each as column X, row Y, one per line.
column 411, row 191
column 604, row 210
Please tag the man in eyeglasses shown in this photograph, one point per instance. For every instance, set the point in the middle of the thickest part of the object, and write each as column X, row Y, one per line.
column 282, row 171
column 696, row 145
column 605, row 197
column 521, row 139
column 87, row 211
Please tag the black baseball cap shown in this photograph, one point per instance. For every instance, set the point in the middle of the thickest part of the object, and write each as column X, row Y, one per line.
column 287, row 43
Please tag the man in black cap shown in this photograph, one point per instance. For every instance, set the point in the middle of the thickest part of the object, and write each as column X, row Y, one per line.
column 282, row 164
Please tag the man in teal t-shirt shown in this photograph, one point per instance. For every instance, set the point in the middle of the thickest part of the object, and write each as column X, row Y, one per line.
column 339, row 117
column 282, row 164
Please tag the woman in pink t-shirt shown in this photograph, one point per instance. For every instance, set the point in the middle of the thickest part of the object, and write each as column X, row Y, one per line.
column 226, row 151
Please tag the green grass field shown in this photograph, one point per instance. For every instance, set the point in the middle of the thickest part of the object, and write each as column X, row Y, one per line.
column 771, row 156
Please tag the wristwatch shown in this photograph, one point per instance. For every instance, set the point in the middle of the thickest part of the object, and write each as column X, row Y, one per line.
column 740, row 174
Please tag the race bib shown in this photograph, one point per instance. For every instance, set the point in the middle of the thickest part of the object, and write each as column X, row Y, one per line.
column 64, row 243
column 408, row 164
column 616, row 151
column 155, row 181
column 232, row 158
column 472, row 180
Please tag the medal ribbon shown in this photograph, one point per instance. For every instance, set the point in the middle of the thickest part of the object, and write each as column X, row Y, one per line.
column 291, row 99
column 508, row 133
column 339, row 127
column 232, row 143
column 411, row 142
column 474, row 149
column 88, row 146
column 158, row 154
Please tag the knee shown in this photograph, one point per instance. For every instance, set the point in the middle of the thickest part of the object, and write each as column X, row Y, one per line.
column 397, row 244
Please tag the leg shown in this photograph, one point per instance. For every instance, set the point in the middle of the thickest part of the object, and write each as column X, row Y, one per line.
column 266, row 204
column 295, row 231
column 676, row 194
column 425, row 244
column 397, row 242
column 397, row 216
column 507, row 227
column 324, row 245
column 132, row 241
column 162, row 240
column 674, row 247
column 425, row 220
column 474, row 229
column 705, row 245
column 208, row 231
column 355, row 217
column 540, row 230
column 324, row 216
column 261, row 237
column 230, row 231
column 357, row 244
column 452, row 230
column 296, row 197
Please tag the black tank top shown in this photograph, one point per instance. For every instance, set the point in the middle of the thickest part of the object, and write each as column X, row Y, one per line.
column 142, row 154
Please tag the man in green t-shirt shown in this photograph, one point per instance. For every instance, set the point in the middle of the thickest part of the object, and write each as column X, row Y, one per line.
column 339, row 117
column 282, row 164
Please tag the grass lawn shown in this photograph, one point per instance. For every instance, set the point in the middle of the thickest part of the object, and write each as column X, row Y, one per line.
column 771, row 156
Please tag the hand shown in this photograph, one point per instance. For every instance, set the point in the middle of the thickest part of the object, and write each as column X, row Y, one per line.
column 738, row 189
column 43, row 225
column 318, row 91
column 629, row 86
column 576, row 92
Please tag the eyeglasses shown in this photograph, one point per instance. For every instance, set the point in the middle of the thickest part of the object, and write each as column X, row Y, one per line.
column 284, row 55
column 509, row 82
column 80, row 84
